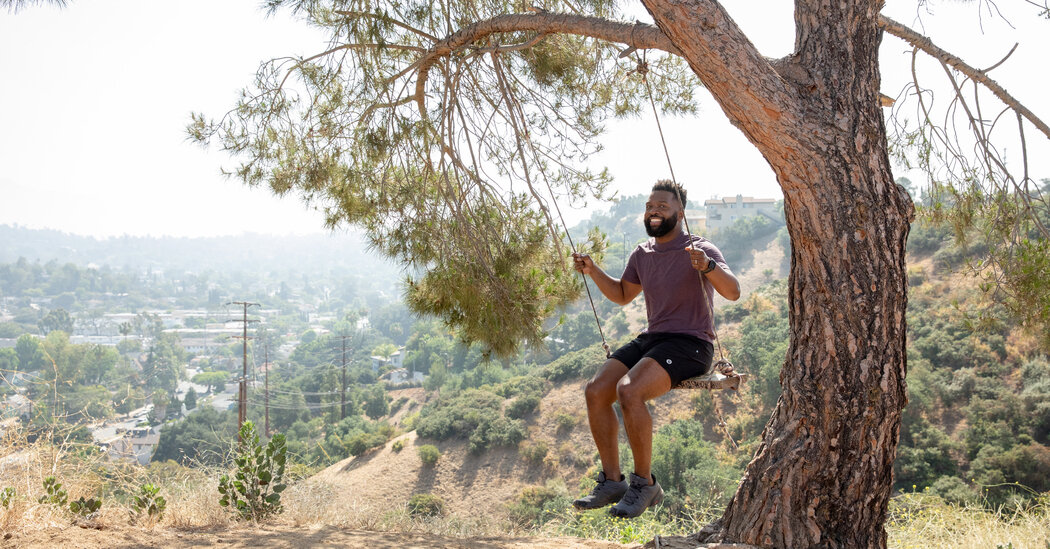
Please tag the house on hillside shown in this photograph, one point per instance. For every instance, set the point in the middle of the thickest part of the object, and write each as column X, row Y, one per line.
column 723, row 212
column 401, row 375
column 133, row 444
column 397, row 360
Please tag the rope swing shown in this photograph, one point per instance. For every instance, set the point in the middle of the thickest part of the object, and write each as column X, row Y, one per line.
column 722, row 374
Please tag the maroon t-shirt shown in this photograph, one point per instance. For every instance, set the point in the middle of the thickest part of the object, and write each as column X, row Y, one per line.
column 673, row 302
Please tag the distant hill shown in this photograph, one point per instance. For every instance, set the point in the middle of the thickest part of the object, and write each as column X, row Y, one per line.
column 250, row 252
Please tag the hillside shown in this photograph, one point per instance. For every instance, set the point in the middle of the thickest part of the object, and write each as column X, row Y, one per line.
column 974, row 413
column 479, row 484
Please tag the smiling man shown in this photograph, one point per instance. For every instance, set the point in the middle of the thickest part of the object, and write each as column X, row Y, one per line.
column 676, row 345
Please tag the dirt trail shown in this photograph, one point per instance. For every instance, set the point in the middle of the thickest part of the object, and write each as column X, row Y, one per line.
column 280, row 536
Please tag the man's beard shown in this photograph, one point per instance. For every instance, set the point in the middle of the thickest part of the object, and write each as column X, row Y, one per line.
column 666, row 225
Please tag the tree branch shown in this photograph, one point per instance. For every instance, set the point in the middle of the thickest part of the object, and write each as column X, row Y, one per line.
column 638, row 35
column 925, row 44
column 754, row 95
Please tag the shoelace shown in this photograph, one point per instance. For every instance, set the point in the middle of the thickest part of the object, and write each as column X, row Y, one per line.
column 633, row 493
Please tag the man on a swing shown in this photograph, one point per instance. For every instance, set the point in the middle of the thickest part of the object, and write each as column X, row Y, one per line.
column 676, row 345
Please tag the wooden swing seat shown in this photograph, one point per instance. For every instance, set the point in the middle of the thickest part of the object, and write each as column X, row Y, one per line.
column 722, row 376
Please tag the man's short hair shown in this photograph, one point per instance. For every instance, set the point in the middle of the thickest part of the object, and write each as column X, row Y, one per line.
column 673, row 188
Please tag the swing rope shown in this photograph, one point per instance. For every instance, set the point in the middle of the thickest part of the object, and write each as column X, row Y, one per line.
column 561, row 218
column 723, row 366
column 643, row 69
column 565, row 227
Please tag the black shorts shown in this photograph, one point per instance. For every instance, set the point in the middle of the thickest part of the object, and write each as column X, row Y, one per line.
column 682, row 355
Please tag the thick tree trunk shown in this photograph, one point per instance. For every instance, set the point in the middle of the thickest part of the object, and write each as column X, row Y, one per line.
column 823, row 474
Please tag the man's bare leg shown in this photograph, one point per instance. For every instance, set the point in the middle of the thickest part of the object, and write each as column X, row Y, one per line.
column 646, row 381
column 605, row 428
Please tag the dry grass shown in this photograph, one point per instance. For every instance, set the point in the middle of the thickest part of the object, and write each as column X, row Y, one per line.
column 916, row 520
column 313, row 503
column 919, row 520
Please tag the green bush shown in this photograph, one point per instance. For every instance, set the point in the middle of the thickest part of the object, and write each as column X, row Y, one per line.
column 429, row 454
column 7, row 495
column 523, row 385
column 426, row 505
column 408, row 422
column 1021, row 470
column 149, row 502
column 533, row 451
column 924, row 456
column 573, row 365
column 690, row 470
column 522, row 406
column 565, row 422
column 743, row 233
column 85, row 507
column 254, row 493
column 916, row 276
column 53, row 493
column 538, row 504
column 364, row 442
column 953, row 490
column 397, row 405
column 474, row 414
column 397, row 446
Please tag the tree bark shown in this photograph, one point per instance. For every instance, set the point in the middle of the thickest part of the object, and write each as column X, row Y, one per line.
column 823, row 474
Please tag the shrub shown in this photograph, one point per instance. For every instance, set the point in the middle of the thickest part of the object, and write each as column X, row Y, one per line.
column 85, row 507
column 474, row 414
column 953, row 490
column 398, row 446
column 522, row 406
column 533, row 451
column 364, row 442
column 565, row 421
column 255, row 491
column 499, row 432
column 397, row 405
column 408, row 422
column 53, row 492
column 149, row 502
column 7, row 496
column 429, row 454
column 573, row 365
column 916, row 276
column 523, row 385
column 426, row 505
column 537, row 504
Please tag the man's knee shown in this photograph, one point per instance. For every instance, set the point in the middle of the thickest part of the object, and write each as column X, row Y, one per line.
column 628, row 393
column 599, row 393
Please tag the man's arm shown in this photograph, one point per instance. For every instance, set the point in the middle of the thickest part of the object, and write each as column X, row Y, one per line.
column 617, row 290
column 724, row 282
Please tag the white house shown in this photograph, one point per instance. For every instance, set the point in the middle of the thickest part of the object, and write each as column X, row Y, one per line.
column 134, row 444
column 723, row 212
column 401, row 375
column 396, row 360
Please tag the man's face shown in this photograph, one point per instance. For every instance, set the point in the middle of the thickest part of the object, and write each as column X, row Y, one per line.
column 661, row 213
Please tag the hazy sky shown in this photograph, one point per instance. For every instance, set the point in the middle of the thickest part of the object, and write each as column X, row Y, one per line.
column 94, row 99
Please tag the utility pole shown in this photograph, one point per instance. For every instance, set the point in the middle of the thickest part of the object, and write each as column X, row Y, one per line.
column 342, row 393
column 267, row 381
column 242, row 395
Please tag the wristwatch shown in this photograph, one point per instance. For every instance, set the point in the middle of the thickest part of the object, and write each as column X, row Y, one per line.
column 710, row 266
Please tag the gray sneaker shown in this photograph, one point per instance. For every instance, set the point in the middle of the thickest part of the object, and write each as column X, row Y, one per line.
column 639, row 497
column 605, row 492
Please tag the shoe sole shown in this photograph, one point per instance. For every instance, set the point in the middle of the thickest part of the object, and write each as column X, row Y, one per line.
column 656, row 501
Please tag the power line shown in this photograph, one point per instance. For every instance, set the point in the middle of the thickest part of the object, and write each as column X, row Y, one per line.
column 242, row 397
column 304, row 393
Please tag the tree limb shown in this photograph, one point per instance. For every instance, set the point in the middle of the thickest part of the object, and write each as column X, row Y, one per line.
column 638, row 35
column 754, row 95
column 925, row 44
